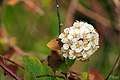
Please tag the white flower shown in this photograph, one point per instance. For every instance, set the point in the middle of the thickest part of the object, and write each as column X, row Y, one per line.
column 77, row 47
column 64, row 40
column 61, row 36
column 66, row 30
column 87, row 46
column 65, row 55
column 71, row 54
column 63, row 50
column 79, row 40
column 70, row 36
column 76, row 24
column 65, row 46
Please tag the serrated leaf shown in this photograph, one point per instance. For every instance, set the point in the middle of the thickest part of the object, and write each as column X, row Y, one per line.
column 35, row 67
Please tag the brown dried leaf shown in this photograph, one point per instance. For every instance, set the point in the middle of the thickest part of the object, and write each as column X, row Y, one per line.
column 55, row 60
column 85, row 60
column 12, row 2
column 54, row 45
column 94, row 75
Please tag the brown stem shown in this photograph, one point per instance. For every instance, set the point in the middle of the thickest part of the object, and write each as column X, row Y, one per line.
column 2, row 65
column 18, row 50
column 34, row 7
column 70, row 13
column 95, row 16
column 12, row 62
column 51, row 75
column 58, row 14
column 113, row 68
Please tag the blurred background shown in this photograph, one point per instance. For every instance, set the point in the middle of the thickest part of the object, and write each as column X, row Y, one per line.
column 30, row 24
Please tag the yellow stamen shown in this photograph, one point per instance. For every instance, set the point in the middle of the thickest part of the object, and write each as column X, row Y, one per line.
column 69, row 43
column 77, row 45
column 65, row 35
column 93, row 39
column 75, row 53
column 85, row 45
column 78, row 27
column 75, row 35
column 85, row 40
column 84, row 34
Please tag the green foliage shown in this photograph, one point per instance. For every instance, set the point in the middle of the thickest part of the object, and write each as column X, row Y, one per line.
column 84, row 75
column 69, row 62
column 29, row 76
column 60, row 74
column 64, row 67
column 4, row 77
column 35, row 68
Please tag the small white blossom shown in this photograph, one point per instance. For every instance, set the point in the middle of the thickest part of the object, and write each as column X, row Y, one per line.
column 65, row 55
column 64, row 40
column 71, row 54
column 65, row 46
column 66, row 30
column 79, row 41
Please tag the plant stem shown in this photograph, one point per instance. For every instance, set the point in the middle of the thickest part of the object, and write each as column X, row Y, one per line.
column 58, row 14
column 113, row 68
column 50, row 75
column 2, row 65
column 12, row 62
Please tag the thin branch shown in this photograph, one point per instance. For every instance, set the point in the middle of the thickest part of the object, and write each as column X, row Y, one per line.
column 113, row 68
column 12, row 62
column 2, row 65
column 58, row 14
column 51, row 75
column 70, row 13
column 95, row 16
column 18, row 50
column 34, row 7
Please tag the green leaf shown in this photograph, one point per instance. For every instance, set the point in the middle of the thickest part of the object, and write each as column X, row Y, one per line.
column 29, row 76
column 69, row 62
column 84, row 75
column 35, row 68
column 60, row 74
column 64, row 67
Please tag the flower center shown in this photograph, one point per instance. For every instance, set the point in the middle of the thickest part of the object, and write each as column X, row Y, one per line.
column 77, row 45
column 93, row 39
column 78, row 27
column 69, row 43
column 75, row 35
column 65, row 35
column 85, row 45
column 85, row 40
column 84, row 34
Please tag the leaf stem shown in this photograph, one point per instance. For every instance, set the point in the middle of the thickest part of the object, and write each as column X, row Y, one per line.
column 58, row 14
column 2, row 65
column 50, row 75
column 4, row 58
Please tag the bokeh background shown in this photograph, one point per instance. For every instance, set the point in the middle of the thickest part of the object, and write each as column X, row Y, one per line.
column 31, row 24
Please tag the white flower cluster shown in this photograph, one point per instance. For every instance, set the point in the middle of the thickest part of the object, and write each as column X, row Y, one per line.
column 79, row 41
